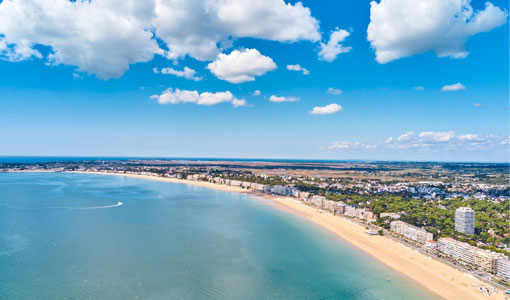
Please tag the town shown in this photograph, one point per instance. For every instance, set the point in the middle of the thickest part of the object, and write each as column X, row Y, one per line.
column 455, row 213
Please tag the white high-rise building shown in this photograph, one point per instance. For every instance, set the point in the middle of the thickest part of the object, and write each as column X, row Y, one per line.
column 465, row 220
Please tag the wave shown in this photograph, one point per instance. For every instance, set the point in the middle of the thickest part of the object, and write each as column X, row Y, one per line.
column 64, row 207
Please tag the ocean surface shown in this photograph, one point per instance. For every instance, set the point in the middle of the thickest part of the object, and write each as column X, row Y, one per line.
column 83, row 236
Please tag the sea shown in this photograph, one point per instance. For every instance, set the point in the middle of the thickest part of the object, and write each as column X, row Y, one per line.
column 85, row 236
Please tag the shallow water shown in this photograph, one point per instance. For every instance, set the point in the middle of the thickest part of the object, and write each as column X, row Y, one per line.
column 65, row 236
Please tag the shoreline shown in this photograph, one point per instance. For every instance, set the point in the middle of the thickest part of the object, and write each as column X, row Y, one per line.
column 436, row 277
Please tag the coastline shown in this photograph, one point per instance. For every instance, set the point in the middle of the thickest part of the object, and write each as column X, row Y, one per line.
column 437, row 277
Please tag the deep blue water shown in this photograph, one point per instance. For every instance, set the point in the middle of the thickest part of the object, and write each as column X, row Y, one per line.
column 171, row 241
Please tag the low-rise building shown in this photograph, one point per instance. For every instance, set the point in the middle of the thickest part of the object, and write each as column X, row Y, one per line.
column 503, row 267
column 391, row 215
column 318, row 201
column 411, row 232
column 281, row 190
column 304, row 195
column 246, row 184
column 259, row 187
column 329, row 205
column 458, row 250
column 350, row 210
column 339, row 208
column 431, row 244
column 484, row 260
column 235, row 183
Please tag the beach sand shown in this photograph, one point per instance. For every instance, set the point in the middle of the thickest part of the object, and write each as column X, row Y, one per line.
column 439, row 278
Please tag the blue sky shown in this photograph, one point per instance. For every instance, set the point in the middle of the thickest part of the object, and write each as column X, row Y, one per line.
column 56, row 98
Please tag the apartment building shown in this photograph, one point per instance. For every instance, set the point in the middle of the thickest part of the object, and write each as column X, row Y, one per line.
column 482, row 259
column 411, row 232
column 465, row 220
column 503, row 267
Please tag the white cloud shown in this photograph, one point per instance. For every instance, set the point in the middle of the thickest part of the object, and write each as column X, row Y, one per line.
column 430, row 141
column 207, row 98
column 187, row 73
column 195, row 28
column 104, row 37
column 298, row 68
column 274, row 98
column 328, row 109
column 437, row 136
column 82, row 33
column 400, row 28
column 330, row 51
column 453, row 87
column 477, row 105
column 345, row 145
column 256, row 93
column 238, row 102
column 334, row 91
column 406, row 136
column 241, row 66
column 170, row 96
column 419, row 88
column 268, row 19
column 178, row 96
column 468, row 137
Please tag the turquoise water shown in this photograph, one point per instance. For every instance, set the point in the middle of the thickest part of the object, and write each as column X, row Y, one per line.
column 171, row 241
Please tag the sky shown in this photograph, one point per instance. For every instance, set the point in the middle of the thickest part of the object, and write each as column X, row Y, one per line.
column 424, row 80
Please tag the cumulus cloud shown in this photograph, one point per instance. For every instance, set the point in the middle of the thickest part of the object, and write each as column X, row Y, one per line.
column 176, row 96
column 238, row 102
column 82, row 33
column 468, row 137
column 241, row 66
column 187, row 73
column 298, row 68
column 104, row 37
column 406, row 136
column 275, row 98
column 437, row 136
column 477, row 105
column 453, row 87
column 346, row 145
column 268, row 19
column 256, row 93
column 401, row 28
column 325, row 110
column 430, row 141
column 334, row 47
column 419, row 88
column 195, row 27
column 334, row 91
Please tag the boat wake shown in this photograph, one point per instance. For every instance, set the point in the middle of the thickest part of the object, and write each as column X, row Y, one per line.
column 64, row 207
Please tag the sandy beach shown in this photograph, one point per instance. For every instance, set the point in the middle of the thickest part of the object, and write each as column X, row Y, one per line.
column 441, row 279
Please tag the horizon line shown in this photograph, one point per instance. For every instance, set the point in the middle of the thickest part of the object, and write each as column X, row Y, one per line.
column 249, row 159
